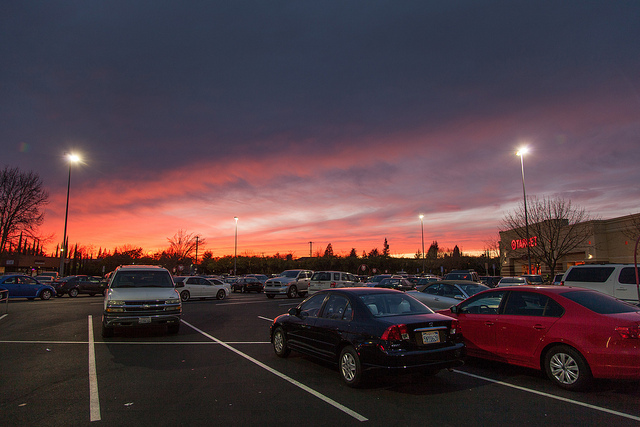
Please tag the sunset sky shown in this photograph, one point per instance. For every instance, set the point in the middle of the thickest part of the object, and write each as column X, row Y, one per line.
column 318, row 121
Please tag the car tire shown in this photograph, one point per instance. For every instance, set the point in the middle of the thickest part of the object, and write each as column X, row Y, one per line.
column 279, row 341
column 221, row 294
column 270, row 296
column 107, row 332
column 73, row 293
column 292, row 292
column 173, row 329
column 350, row 367
column 184, row 296
column 46, row 294
column 567, row 368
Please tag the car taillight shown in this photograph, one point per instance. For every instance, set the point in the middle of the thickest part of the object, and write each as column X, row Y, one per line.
column 562, row 283
column 332, row 285
column 455, row 327
column 396, row 333
column 629, row 332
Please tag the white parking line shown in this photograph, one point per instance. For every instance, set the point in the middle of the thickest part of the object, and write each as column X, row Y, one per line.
column 94, row 398
column 284, row 377
column 551, row 396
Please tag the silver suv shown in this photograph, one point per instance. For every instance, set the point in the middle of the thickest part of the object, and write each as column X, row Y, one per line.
column 141, row 295
column 290, row 283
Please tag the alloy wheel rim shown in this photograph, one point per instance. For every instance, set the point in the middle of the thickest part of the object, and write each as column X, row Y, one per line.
column 348, row 367
column 278, row 342
column 564, row 368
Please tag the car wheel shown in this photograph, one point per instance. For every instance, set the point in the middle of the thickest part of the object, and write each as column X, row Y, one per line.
column 73, row 293
column 566, row 367
column 349, row 366
column 293, row 291
column 184, row 295
column 279, row 342
column 220, row 294
column 45, row 294
column 173, row 329
column 270, row 296
column 106, row 331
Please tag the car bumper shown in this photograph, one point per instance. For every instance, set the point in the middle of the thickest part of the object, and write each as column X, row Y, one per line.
column 374, row 358
column 276, row 291
column 136, row 321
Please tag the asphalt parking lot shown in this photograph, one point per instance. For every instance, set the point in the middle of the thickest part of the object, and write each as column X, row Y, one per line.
column 57, row 370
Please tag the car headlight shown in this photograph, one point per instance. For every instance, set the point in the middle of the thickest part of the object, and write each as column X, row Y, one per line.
column 115, row 306
column 172, row 301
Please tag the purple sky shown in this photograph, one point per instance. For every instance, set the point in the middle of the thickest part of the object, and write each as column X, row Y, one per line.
column 326, row 121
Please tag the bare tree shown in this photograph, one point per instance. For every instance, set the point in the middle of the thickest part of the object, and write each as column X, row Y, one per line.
column 632, row 231
column 556, row 228
column 22, row 198
column 183, row 245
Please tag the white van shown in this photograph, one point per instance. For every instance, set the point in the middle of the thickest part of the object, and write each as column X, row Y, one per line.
column 331, row 279
column 618, row 280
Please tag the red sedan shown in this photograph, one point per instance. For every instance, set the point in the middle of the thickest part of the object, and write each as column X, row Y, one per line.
column 572, row 334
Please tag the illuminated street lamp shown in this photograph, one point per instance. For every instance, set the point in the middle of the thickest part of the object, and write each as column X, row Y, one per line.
column 235, row 251
column 71, row 158
column 521, row 152
column 422, row 229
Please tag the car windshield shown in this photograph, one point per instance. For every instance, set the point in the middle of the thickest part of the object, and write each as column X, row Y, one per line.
column 142, row 279
column 472, row 289
column 289, row 273
column 599, row 302
column 393, row 304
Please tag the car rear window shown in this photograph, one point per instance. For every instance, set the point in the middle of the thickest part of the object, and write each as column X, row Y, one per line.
column 599, row 302
column 589, row 274
column 628, row 276
column 142, row 279
column 393, row 304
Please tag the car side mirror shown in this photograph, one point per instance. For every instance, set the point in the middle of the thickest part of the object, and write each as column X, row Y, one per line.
column 294, row 311
column 454, row 309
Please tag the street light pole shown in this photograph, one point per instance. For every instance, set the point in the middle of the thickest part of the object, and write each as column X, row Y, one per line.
column 422, row 229
column 235, row 251
column 521, row 153
column 71, row 158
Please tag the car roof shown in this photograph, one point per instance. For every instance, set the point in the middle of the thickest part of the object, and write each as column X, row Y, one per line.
column 360, row 291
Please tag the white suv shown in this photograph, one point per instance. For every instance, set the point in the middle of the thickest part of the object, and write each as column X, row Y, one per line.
column 331, row 279
column 290, row 283
column 617, row 280
column 141, row 295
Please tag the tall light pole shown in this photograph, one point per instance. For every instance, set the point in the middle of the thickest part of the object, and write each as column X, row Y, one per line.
column 422, row 229
column 71, row 158
column 196, row 267
column 521, row 152
column 235, row 251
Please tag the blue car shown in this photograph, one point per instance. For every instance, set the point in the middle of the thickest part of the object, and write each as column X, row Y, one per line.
column 21, row 286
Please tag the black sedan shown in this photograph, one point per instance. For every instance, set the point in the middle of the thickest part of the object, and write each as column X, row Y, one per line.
column 398, row 283
column 81, row 284
column 366, row 329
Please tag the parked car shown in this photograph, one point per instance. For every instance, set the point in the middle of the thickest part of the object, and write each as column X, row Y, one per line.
column 534, row 279
column 398, row 283
column 141, row 296
column 572, row 334
column 426, row 280
column 446, row 293
column 191, row 287
column 22, row 286
column 81, row 284
column 376, row 279
column 512, row 281
column 364, row 329
column 490, row 281
column 261, row 277
column 247, row 284
column 617, row 280
column 462, row 275
column 44, row 279
column 331, row 279
column 290, row 283
column 557, row 279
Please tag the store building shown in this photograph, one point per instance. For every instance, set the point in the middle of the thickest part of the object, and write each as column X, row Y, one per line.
column 609, row 241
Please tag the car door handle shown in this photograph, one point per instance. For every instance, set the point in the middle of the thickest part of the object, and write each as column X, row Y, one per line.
column 488, row 323
column 539, row 327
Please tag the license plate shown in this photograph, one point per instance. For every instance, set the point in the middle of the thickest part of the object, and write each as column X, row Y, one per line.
column 144, row 320
column 430, row 337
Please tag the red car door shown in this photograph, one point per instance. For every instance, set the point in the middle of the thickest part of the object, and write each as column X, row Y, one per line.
column 523, row 325
column 478, row 317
